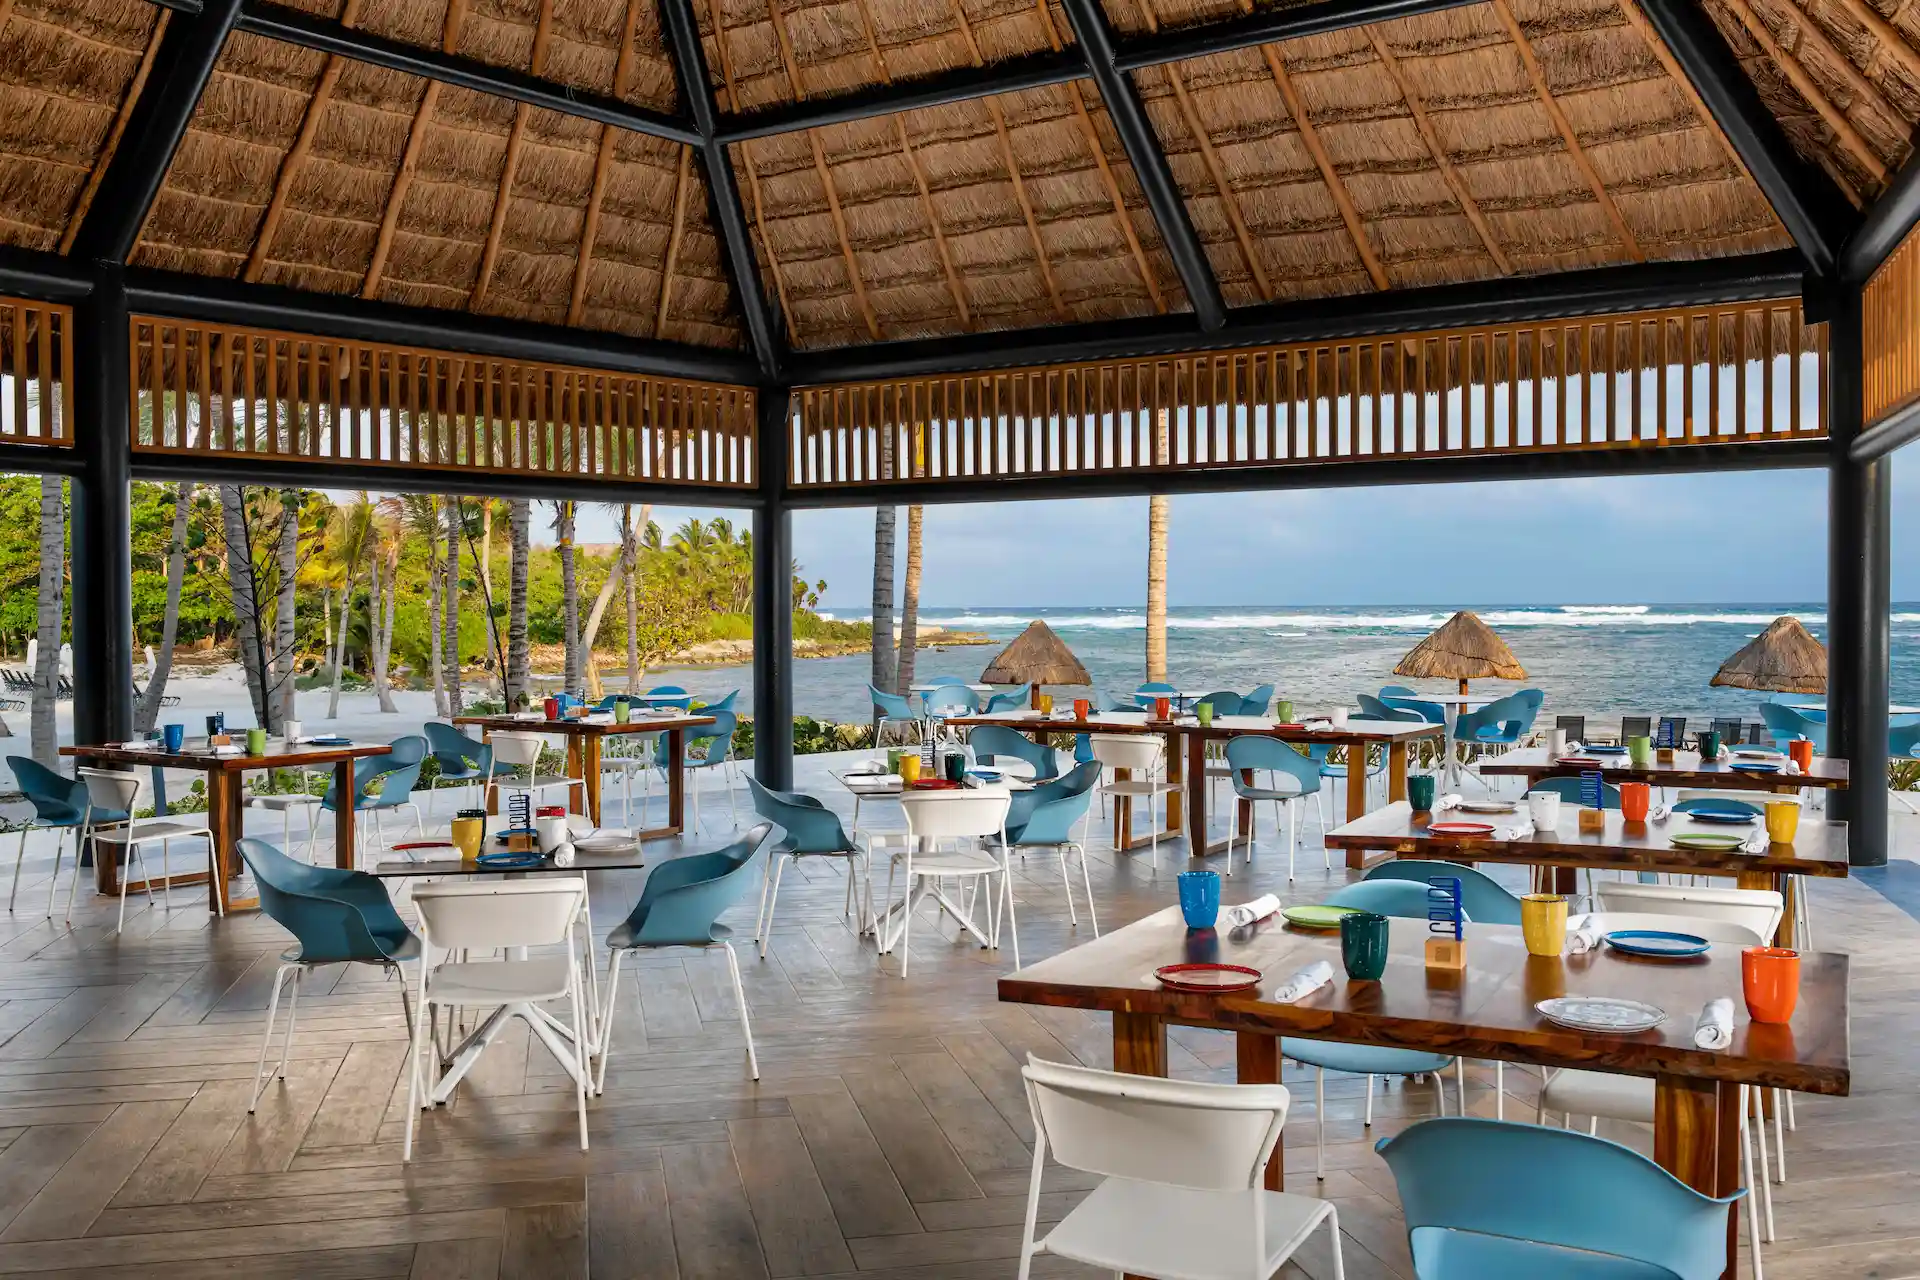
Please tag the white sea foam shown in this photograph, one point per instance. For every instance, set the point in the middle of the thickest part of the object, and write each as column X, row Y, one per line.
column 1295, row 624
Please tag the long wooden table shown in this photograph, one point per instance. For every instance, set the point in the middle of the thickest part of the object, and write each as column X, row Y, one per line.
column 1483, row 1011
column 584, row 738
column 1818, row 849
column 1187, row 760
column 225, row 800
column 1686, row 770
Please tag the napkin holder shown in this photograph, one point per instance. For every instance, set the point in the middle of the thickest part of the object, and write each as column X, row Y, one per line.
column 1592, row 821
column 1446, row 953
column 1664, row 755
column 219, row 740
column 1447, row 947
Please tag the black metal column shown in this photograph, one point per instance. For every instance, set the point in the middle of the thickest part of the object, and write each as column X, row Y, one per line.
column 773, row 600
column 102, row 519
column 1859, row 517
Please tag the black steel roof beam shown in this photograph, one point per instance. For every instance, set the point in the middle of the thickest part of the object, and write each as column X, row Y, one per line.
column 1266, row 26
column 181, row 68
column 1889, row 221
column 1149, row 160
column 327, row 36
column 723, row 186
column 1032, row 71
column 181, row 6
column 1815, row 212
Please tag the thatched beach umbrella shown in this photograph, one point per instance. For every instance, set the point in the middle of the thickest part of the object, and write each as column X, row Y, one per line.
column 1037, row 656
column 1463, row 649
column 1781, row 659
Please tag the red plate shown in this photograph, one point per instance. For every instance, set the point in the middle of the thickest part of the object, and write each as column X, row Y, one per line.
column 1207, row 978
column 1460, row 829
column 1289, row 726
column 933, row 784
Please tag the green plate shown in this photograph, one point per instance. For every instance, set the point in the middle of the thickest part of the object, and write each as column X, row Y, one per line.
column 1317, row 917
column 1708, row 841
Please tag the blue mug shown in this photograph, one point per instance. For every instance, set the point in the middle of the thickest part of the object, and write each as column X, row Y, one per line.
column 1200, row 898
column 175, row 736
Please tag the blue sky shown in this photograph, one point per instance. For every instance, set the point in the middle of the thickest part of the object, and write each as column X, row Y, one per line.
column 1699, row 538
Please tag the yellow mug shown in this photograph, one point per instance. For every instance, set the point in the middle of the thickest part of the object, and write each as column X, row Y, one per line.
column 1543, row 922
column 1783, row 820
column 467, row 835
column 910, row 767
column 1046, row 704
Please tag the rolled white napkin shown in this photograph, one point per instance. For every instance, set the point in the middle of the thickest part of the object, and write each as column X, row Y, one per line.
column 1793, row 768
column 1583, row 938
column 1725, row 753
column 1304, row 983
column 1757, row 842
column 563, row 854
column 1659, row 813
column 1714, row 1030
column 1451, row 800
column 1247, row 912
column 1523, row 831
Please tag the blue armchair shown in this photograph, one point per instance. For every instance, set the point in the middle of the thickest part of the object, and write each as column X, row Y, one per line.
column 59, row 804
column 812, row 830
column 1784, row 724
column 1225, row 702
column 669, row 695
column 1481, row 896
column 707, row 748
column 1372, row 708
column 1469, row 1217
column 335, row 917
column 398, row 773
column 991, row 741
column 891, row 708
column 463, row 761
column 681, row 907
column 1502, row 722
column 1291, row 776
column 1012, row 700
column 1256, row 702
column 1401, row 698
column 949, row 700
column 1057, row 820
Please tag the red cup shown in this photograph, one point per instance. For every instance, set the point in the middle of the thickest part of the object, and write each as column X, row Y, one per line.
column 552, row 708
column 1082, row 708
column 1162, row 708
column 1800, row 750
column 1770, row 977
column 1634, row 799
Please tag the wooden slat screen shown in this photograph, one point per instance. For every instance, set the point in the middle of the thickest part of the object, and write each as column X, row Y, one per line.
column 1890, row 338
column 218, row 390
column 36, row 359
column 1745, row 371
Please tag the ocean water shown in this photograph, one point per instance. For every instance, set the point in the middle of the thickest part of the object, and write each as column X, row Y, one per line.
column 1598, row 660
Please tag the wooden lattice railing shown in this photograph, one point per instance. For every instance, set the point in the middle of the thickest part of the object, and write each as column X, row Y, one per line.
column 218, row 390
column 36, row 359
column 1890, row 337
column 1739, row 372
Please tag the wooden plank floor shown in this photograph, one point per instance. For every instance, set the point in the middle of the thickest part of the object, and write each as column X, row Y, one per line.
column 888, row 1137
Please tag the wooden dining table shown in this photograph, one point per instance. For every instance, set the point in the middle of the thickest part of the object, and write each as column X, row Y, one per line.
column 225, row 800
column 1486, row 1010
column 1187, row 742
column 1686, row 769
column 584, row 738
column 1818, row 849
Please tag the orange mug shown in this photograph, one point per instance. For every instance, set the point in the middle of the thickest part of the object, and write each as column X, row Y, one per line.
column 1082, row 708
column 1770, row 977
column 1634, row 799
column 1163, row 709
column 1801, row 752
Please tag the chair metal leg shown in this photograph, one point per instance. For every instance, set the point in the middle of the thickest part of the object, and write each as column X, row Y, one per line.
column 614, row 958
column 740, row 998
column 59, row 843
column 293, row 1015
column 266, row 1037
column 18, row 858
column 1333, row 1232
column 1087, row 885
column 1367, row 1122
column 1320, row 1123
column 765, row 933
column 581, row 1034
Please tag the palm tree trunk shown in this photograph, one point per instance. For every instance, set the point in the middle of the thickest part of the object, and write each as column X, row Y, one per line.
column 1159, row 508
column 243, row 588
column 519, row 675
column 149, row 710
column 622, row 570
column 886, row 526
column 281, row 701
column 433, row 633
column 575, row 674
column 910, row 598
column 381, row 636
column 450, row 601
column 486, row 577
column 632, row 538
column 340, row 643
column 43, row 732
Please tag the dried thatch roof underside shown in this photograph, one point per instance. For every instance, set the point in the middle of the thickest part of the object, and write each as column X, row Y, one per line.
column 348, row 216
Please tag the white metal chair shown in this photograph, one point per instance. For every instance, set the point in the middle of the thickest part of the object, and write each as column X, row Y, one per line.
column 469, row 916
column 1144, row 756
column 963, row 819
column 512, row 753
column 112, row 791
column 286, row 804
column 1755, row 910
column 1184, row 1166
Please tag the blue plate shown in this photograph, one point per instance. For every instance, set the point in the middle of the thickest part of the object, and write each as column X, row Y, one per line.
column 509, row 861
column 330, row 742
column 986, row 775
column 1656, row 942
column 1754, row 766
column 1605, row 751
column 1729, row 816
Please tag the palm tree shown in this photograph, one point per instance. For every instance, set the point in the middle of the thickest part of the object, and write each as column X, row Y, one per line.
column 574, row 675
column 1159, row 508
column 243, row 591
column 450, row 598
column 885, row 536
column 348, row 548
column 420, row 517
column 633, row 590
column 910, row 598
column 148, row 712
column 385, row 556
column 52, row 609
column 280, row 702
column 518, row 674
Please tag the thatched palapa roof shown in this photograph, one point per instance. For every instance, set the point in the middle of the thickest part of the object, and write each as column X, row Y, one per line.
column 1484, row 141
column 1783, row 659
column 1464, row 648
column 1037, row 656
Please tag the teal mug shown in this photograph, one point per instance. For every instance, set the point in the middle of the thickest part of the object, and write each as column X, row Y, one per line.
column 1420, row 791
column 1363, row 945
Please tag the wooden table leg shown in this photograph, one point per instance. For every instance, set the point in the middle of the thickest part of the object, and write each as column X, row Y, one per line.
column 1139, row 1048
column 1257, row 1058
column 1177, row 773
column 343, row 816
column 1397, row 770
column 676, row 781
column 590, row 774
column 223, row 819
column 1696, row 1138
column 1357, row 797
column 1782, row 884
column 576, row 794
column 1122, row 814
column 1195, row 776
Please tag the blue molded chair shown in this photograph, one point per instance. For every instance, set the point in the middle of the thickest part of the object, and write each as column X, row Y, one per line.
column 707, row 747
column 59, row 804
column 1902, row 739
column 1257, row 702
column 939, row 680
column 335, row 917
column 1146, row 693
column 1321, row 753
column 1568, row 789
column 1485, row 1200
column 1405, row 900
column 1372, row 708
column 1502, row 722
column 991, row 741
column 1012, row 700
column 1225, row 702
column 812, row 831
column 463, row 761
column 398, row 773
column 681, row 907
column 1784, row 724
column 669, row 695
column 891, row 708
column 1048, row 820
column 1082, row 777
column 948, row 700
column 1291, row 776
column 1483, row 898
column 1401, row 698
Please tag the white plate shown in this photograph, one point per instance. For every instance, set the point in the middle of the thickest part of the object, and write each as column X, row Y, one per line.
column 1487, row 806
column 1601, row 1013
column 1758, row 755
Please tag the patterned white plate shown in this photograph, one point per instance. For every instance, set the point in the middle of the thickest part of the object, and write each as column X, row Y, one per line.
column 1601, row 1013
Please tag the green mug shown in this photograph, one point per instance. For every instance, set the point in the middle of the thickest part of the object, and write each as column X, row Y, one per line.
column 1283, row 711
column 893, row 760
column 621, row 710
column 1420, row 791
column 256, row 742
column 1640, row 751
column 1363, row 945
column 1204, row 712
column 1709, row 746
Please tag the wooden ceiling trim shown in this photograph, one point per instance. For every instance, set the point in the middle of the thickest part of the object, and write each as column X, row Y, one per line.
column 1581, row 160
column 297, row 154
column 516, row 138
column 120, row 118
column 602, row 164
column 1844, row 129
column 1892, row 42
column 1807, row 31
column 1076, row 92
column 6, row 13
column 1431, row 136
column 753, row 176
column 1678, row 75
column 788, row 62
column 410, row 159
column 681, row 182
